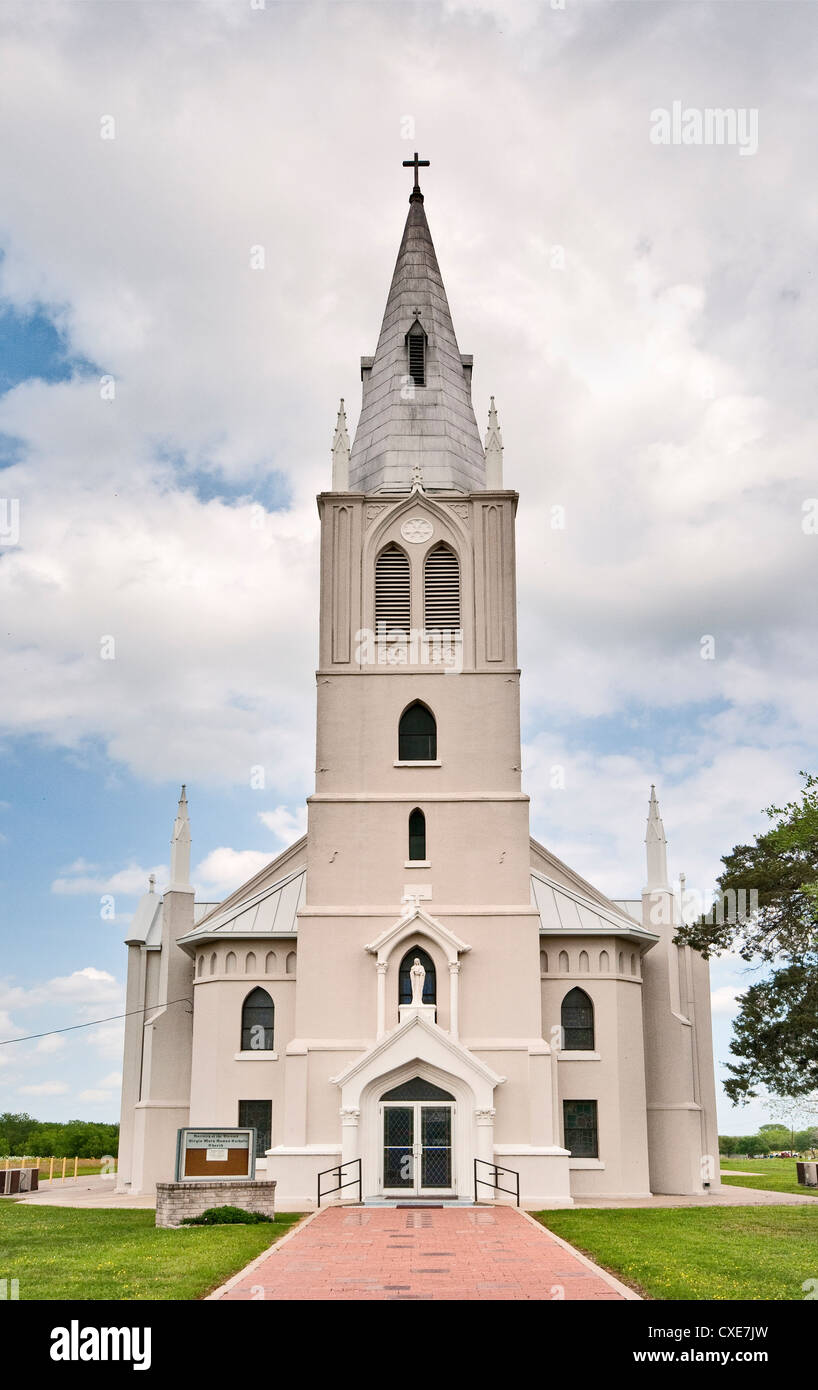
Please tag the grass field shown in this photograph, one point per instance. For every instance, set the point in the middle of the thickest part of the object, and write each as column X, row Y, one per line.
column 766, row 1174
column 699, row 1252
column 64, row 1252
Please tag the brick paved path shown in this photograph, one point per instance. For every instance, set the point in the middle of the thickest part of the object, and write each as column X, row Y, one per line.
column 408, row 1253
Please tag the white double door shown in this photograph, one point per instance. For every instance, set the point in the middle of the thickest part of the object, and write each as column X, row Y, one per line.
column 417, row 1148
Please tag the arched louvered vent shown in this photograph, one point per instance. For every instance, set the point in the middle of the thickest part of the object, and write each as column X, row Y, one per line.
column 441, row 588
column 417, row 356
column 392, row 587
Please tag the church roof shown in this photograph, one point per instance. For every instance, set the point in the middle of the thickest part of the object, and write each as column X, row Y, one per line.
column 269, row 912
column 272, row 910
column 431, row 426
column 564, row 911
column 146, row 923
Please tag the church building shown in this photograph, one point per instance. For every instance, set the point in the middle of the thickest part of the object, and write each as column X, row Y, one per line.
column 417, row 989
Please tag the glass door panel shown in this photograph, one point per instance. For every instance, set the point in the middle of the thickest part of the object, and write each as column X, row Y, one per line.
column 436, row 1146
column 398, row 1147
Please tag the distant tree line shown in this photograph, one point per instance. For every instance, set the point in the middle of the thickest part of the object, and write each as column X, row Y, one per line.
column 22, row 1134
column 772, row 1138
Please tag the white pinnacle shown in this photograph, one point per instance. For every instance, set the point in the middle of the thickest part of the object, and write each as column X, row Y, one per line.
column 656, row 845
column 340, row 452
column 494, row 451
column 180, row 846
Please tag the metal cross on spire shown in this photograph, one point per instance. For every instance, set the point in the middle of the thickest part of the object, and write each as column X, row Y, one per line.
column 416, row 164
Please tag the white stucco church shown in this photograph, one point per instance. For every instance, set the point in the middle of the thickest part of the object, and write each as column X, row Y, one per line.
column 416, row 984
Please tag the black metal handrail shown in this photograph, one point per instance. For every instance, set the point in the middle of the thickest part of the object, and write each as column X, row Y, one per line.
column 338, row 1170
column 496, row 1169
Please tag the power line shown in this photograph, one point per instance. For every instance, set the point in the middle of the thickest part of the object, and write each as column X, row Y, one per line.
column 93, row 1022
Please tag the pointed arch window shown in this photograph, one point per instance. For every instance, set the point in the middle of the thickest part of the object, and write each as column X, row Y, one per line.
column 257, row 1022
column 417, row 735
column 416, row 349
column 405, row 978
column 441, row 590
column 417, row 834
column 577, row 1021
column 392, row 591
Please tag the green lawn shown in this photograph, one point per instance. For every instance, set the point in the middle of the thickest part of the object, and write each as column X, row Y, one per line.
column 699, row 1252
column 766, row 1174
column 65, row 1252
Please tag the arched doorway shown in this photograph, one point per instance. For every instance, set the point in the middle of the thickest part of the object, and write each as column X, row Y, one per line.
column 417, row 1127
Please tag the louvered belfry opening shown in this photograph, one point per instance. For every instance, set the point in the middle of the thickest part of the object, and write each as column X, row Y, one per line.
column 417, row 356
column 392, row 592
column 441, row 591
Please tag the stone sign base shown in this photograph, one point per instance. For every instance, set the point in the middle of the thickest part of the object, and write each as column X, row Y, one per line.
column 177, row 1201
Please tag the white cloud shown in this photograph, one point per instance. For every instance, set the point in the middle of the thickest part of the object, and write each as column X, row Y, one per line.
column 107, row 1039
column 129, row 882
column 95, row 1097
column 655, row 387
column 8, row 1028
column 285, row 824
column 725, row 999
column 113, row 1079
column 225, row 869
column 43, row 1088
column 88, row 990
column 50, row 1044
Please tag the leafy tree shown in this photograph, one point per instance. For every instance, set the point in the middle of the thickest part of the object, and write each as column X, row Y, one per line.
column 14, row 1130
column 775, row 1034
column 775, row 1136
column 20, row 1134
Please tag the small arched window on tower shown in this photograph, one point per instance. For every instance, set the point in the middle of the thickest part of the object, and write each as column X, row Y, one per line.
column 577, row 1021
column 405, row 978
column 441, row 590
column 416, row 350
column 392, row 592
column 257, row 1021
column 417, row 834
column 417, row 735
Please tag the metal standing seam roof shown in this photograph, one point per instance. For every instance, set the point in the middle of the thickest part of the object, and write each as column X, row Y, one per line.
column 273, row 912
column 564, row 911
column 268, row 913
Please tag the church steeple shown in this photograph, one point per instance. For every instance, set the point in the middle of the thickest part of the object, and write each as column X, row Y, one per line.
column 417, row 407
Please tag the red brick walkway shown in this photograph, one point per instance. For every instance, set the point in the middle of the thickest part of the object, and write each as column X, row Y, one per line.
column 408, row 1253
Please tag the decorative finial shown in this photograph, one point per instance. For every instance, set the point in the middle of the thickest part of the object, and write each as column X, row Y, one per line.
column 151, row 882
column 494, row 451
column 416, row 164
column 340, row 452
column 417, row 478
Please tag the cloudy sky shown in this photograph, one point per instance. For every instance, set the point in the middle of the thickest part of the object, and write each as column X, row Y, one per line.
column 643, row 313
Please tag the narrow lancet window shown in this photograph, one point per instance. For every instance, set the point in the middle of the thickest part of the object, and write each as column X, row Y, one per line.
column 417, row 834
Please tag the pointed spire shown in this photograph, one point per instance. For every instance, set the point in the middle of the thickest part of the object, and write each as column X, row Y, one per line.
column 494, row 450
column 404, row 422
column 180, row 846
column 656, row 845
column 340, row 453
